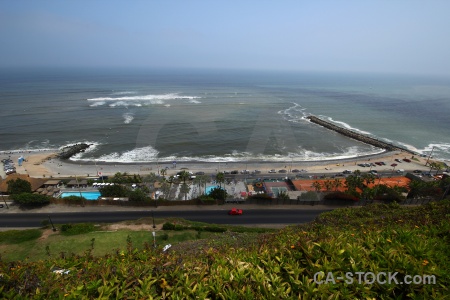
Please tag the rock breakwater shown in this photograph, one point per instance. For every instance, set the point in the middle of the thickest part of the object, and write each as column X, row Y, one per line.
column 69, row 151
column 357, row 136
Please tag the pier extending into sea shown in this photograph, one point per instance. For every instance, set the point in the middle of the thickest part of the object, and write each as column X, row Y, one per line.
column 358, row 136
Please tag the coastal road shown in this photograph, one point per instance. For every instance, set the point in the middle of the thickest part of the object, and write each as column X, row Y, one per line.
column 250, row 216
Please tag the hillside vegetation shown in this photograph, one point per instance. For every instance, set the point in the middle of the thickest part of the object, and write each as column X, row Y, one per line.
column 295, row 262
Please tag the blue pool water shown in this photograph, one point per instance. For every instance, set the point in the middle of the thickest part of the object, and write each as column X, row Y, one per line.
column 86, row 195
column 210, row 188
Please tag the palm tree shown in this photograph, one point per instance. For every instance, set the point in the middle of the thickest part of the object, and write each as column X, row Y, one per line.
column 220, row 178
column 184, row 175
column 328, row 185
column 165, row 188
column 368, row 179
column 337, row 183
column 317, row 186
column 200, row 181
column 170, row 181
column 163, row 172
column 185, row 190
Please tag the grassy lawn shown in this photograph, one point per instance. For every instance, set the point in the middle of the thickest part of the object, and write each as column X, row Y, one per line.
column 41, row 244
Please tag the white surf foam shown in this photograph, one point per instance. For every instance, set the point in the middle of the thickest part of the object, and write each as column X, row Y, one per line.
column 93, row 146
column 97, row 103
column 143, row 154
column 301, row 156
column 347, row 126
column 162, row 97
column 294, row 113
column 440, row 151
column 128, row 117
column 125, row 93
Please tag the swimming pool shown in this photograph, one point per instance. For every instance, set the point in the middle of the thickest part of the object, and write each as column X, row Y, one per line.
column 86, row 195
column 210, row 188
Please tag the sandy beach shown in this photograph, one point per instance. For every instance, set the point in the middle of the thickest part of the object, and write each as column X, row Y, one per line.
column 45, row 164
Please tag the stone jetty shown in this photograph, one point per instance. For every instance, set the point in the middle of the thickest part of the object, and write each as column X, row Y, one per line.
column 69, row 151
column 357, row 136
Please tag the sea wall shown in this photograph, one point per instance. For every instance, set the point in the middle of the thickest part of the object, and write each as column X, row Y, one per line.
column 68, row 152
column 357, row 136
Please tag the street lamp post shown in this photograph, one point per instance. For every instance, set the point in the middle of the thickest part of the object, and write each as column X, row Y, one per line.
column 154, row 233
column 53, row 226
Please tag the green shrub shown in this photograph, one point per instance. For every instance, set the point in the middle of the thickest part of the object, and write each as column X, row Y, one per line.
column 179, row 227
column 30, row 200
column 18, row 186
column 116, row 190
column 75, row 199
column 74, row 229
column 138, row 195
column 168, row 226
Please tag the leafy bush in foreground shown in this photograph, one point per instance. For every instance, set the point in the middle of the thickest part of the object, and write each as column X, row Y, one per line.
column 379, row 238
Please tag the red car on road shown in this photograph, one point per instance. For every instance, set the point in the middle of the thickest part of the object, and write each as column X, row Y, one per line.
column 235, row 211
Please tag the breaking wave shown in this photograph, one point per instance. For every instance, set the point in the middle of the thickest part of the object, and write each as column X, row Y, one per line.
column 128, row 117
column 150, row 98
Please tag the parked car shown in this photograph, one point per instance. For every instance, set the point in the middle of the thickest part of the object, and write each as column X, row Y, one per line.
column 10, row 171
column 200, row 173
column 295, row 171
column 235, row 212
column 347, row 172
column 272, row 171
column 282, row 171
column 407, row 160
column 235, row 172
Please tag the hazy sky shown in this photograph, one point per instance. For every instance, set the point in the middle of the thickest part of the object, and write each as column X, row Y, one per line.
column 366, row 36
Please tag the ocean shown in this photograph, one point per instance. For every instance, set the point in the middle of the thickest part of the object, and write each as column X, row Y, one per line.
column 145, row 115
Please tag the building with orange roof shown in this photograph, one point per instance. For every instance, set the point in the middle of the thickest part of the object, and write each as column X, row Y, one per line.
column 36, row 183
column 308, row 184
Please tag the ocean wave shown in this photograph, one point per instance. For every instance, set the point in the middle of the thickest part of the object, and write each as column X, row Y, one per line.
column 438, row 150
column 294, row 113
column 162, row 97
column 307, row 156
column 128, row 117
column 150, row 154
column 143, row 154
column 125, row 93
column 97, row 103
column 347, row 126
column 93, row 146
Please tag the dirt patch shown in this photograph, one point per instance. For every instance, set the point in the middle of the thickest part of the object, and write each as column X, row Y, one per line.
column 132, row 227
column 46, row 233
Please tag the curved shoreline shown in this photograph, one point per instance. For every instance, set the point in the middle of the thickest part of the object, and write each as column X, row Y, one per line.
column 48, row 165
